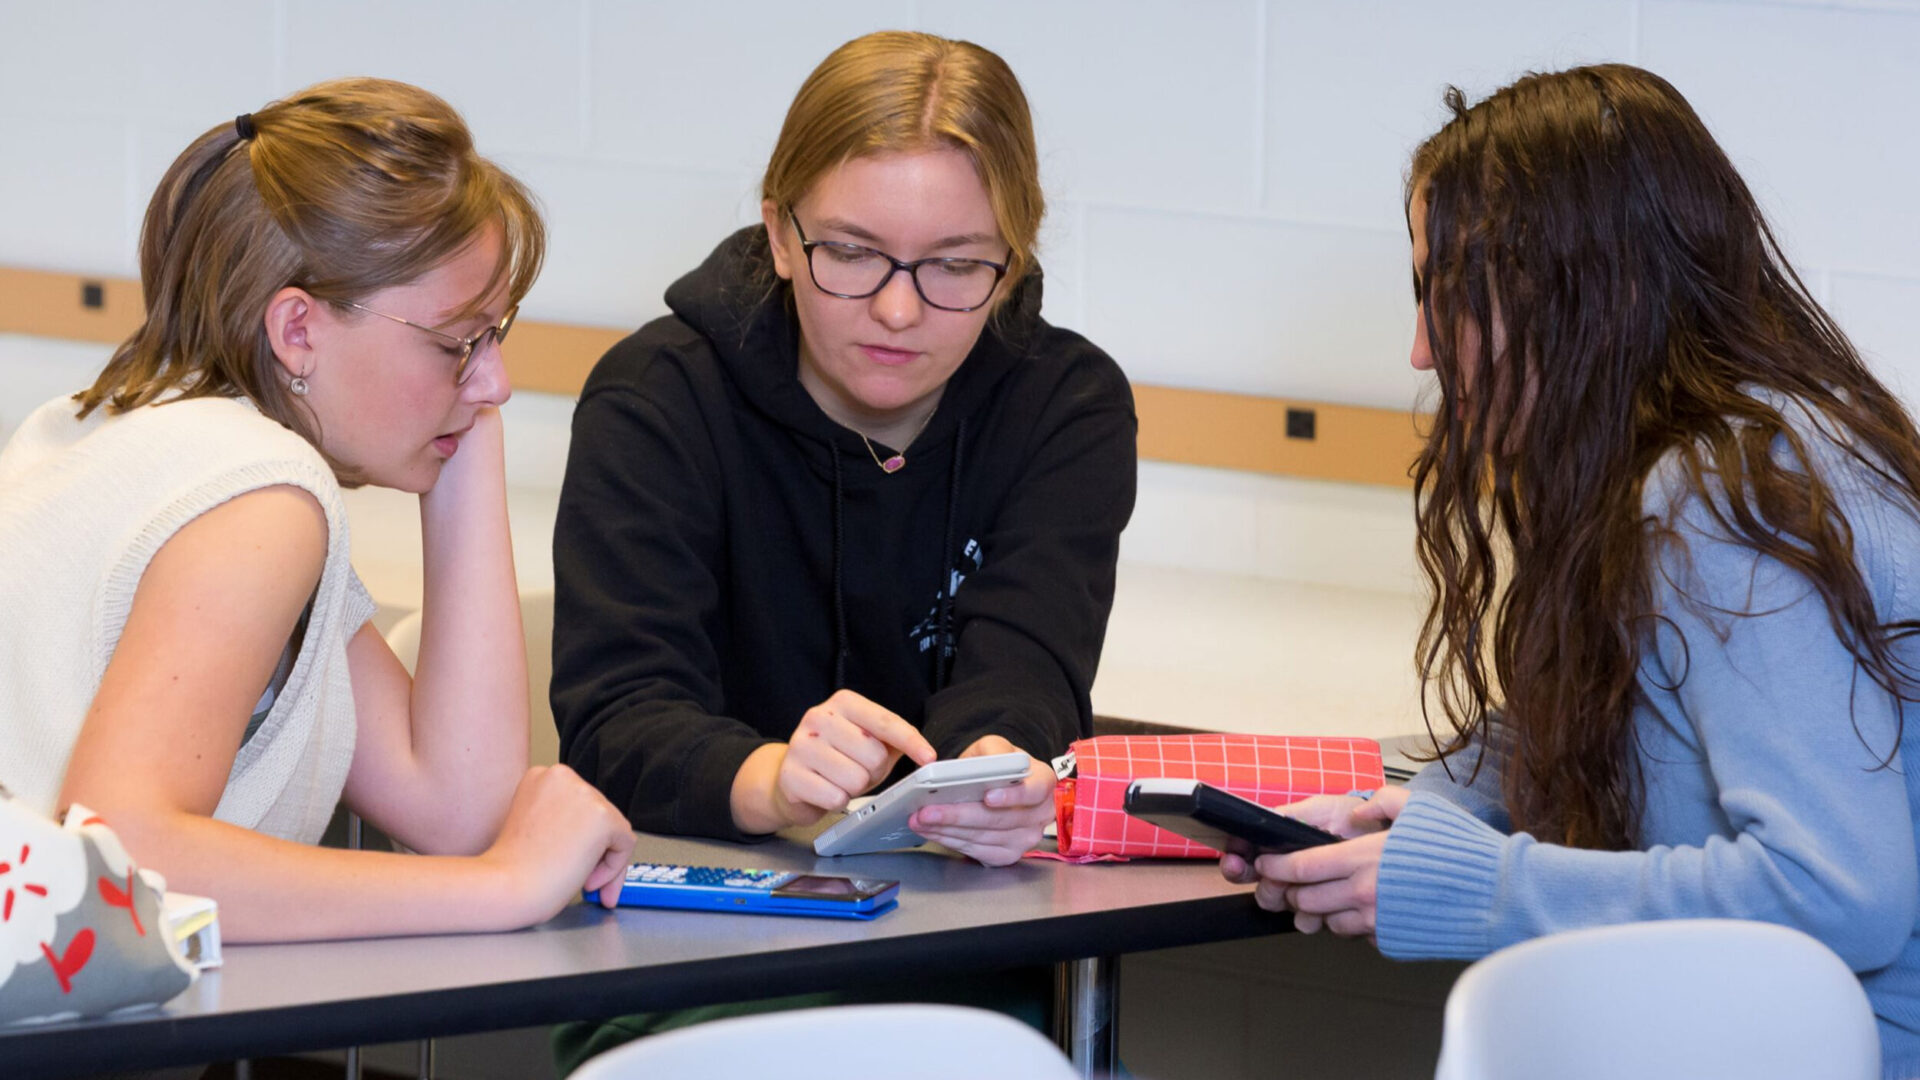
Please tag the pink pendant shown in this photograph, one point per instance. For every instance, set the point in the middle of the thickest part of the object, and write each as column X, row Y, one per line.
column 894, row 464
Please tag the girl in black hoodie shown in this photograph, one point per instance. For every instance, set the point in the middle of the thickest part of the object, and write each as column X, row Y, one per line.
column 854, row 499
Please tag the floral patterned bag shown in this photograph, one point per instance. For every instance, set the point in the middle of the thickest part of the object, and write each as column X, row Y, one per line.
column 81, row 928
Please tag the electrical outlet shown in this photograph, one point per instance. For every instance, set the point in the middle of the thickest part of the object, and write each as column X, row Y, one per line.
column 93, row 295
column 1300, row 424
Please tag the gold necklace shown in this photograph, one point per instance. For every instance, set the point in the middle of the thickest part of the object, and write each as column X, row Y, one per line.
column 899, row 460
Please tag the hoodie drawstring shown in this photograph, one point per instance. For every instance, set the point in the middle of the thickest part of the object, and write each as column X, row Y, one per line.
column 943, row 660
column 943, row 657
column 839, row 597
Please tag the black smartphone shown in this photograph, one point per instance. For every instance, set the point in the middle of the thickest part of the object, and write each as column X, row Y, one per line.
column 1207, row 815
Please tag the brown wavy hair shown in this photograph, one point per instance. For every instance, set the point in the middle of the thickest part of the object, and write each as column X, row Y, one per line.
column 1599, row 270
column 343, row 189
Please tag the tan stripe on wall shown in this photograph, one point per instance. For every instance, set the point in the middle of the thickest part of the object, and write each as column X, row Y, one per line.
column 1192, row 427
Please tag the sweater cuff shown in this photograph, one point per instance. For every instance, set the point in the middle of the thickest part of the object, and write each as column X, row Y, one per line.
column 706, row 787
column 1439, row 874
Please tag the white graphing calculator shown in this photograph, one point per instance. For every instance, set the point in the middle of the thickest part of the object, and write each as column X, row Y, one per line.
column 881, row 824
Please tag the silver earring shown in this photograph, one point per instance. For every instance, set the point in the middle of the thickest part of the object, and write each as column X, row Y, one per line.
column 298, row 385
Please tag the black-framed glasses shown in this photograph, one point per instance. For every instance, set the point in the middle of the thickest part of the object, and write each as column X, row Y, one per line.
column 855, row 272
column 462, row 348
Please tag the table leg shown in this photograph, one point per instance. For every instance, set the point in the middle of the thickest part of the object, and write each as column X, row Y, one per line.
column 1086, row 1006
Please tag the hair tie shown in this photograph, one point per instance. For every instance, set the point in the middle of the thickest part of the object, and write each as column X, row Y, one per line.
column 244, row 125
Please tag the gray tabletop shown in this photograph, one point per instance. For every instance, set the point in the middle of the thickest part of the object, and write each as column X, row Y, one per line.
column 953, row 917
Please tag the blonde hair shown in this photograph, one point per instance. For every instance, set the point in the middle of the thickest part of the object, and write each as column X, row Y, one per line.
column 342, row 189
column 896, row 91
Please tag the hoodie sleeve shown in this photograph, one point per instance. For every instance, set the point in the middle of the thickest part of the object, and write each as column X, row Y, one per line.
column 1029, row 623
column 636, row 676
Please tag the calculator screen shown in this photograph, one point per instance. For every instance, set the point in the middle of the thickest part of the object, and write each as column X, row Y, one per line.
column 832, row 888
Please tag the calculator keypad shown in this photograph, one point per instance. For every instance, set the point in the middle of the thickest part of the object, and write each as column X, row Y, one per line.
column 708, row 876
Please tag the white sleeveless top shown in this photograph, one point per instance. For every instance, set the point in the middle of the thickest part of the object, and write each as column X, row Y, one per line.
column 84, row 505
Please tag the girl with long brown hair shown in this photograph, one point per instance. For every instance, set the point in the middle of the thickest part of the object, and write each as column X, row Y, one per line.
column 327, row 282
column 1668, row 517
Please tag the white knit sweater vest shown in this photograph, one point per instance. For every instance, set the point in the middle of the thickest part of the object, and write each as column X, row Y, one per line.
column 84, row 505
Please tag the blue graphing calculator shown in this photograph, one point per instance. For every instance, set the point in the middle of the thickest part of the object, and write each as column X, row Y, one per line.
column 768, row 892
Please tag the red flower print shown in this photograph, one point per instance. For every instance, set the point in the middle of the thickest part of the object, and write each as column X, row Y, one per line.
column 67, row 965
column 117, row 897
column 6, row 904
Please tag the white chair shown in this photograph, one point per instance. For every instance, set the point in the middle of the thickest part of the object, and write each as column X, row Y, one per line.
column 536, row 625
column 1681, row 998
column 849, row 1042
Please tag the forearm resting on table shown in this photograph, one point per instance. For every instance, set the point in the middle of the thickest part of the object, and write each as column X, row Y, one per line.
column 270, row 889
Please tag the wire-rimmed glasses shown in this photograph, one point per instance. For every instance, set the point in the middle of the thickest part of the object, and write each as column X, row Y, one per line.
column 462, row 348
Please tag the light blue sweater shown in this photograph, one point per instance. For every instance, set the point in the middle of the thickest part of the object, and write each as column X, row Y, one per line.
column 1765, row 795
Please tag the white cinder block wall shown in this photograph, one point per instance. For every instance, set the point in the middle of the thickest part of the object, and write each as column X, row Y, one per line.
column 1224, row 175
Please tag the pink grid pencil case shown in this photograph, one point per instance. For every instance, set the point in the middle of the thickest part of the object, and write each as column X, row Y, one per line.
column 1269, row 769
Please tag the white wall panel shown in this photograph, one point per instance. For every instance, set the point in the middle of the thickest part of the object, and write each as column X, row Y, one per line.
column 1199, row 519
column 1819, row 108
column 116, row 57
column 538, row 428
column 1354, row 87
column 64, row 206
column 1878, row 314
column 1273, row 527
column 1317, row 312
column 620, row 233
column 512, row 67
column 1136, row 102
column 707, row 85
column 38, row 370
column 1335, row 534
column 1062, row 258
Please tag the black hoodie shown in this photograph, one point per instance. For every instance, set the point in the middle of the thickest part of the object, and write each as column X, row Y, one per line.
column 726, row 556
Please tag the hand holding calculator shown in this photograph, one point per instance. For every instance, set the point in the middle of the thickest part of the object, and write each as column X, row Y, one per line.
column 882, row 823
column 771, row 892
